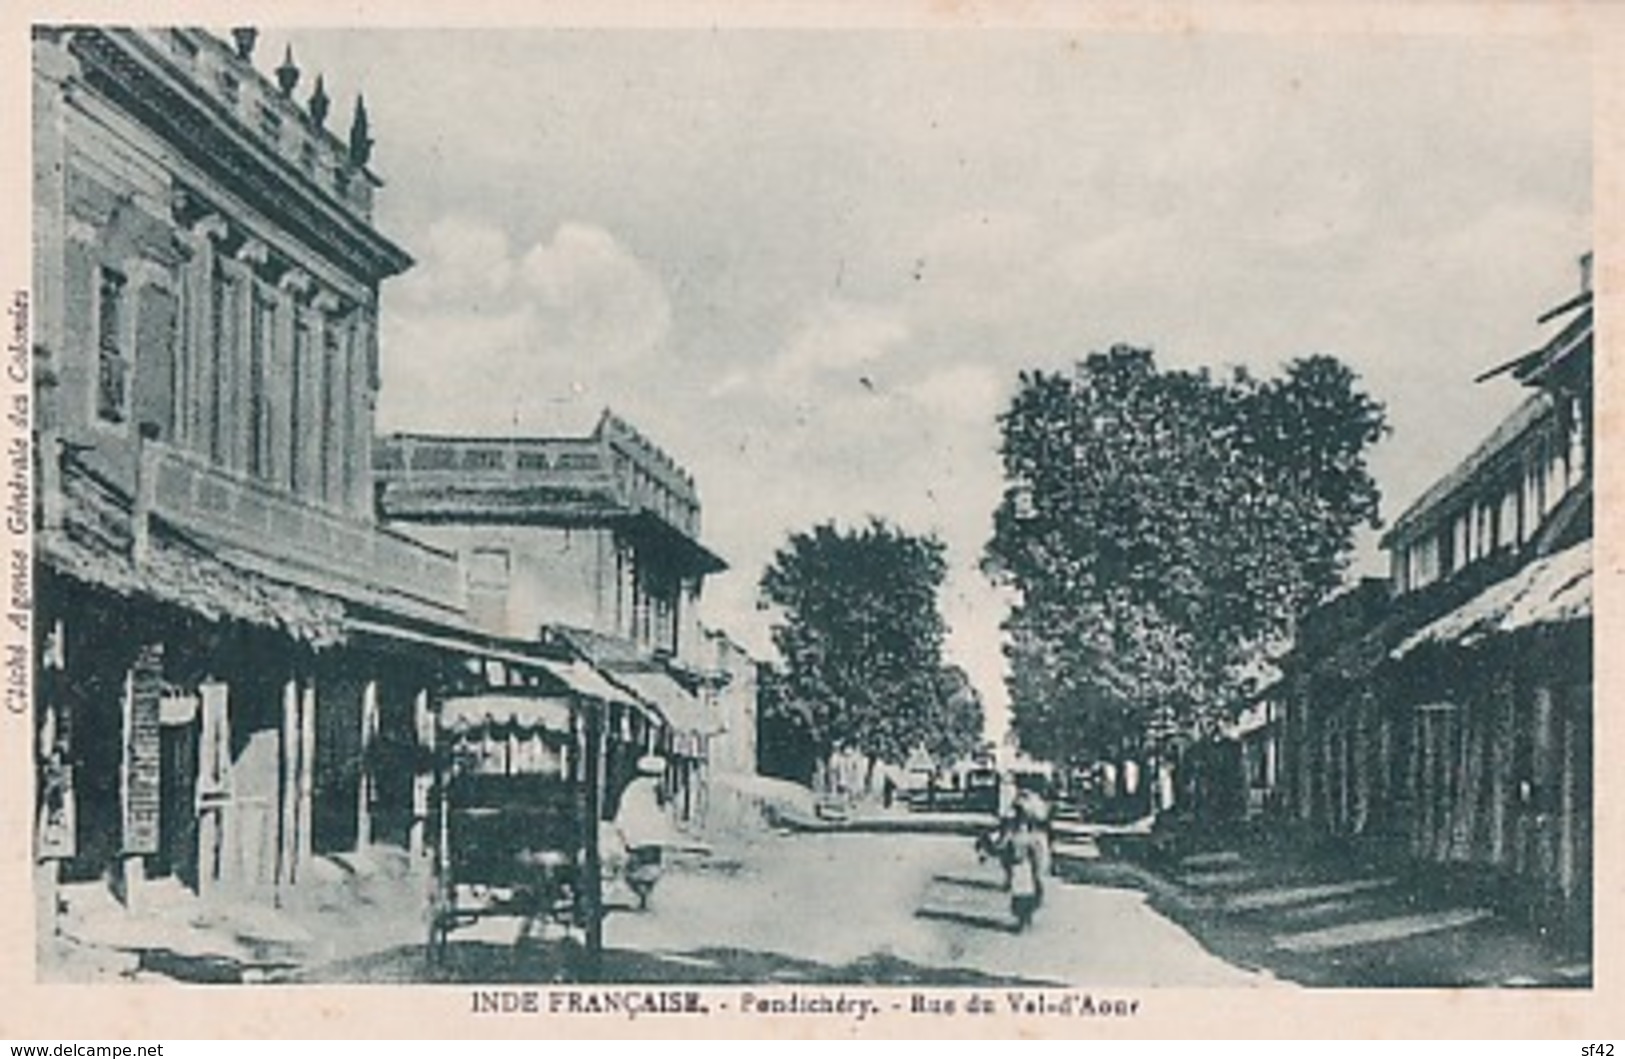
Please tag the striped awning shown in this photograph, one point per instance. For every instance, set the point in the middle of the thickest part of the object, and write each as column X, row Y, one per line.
column 495, row 710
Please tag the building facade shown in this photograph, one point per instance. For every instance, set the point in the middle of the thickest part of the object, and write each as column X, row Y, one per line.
column 588, row 546
column 238, row 667
column 1446, row 720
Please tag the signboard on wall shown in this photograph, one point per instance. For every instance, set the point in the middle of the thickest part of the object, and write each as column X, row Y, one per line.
column 143, row 710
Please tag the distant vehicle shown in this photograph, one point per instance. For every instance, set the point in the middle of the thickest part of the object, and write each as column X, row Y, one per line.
column 981, row 791
column 1036, row 780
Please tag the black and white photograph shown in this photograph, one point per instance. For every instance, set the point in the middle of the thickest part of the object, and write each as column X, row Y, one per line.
column 780, row 514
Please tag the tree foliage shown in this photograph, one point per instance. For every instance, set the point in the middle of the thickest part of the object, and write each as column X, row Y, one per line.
column 954, row 728
column 1164, row 528
column 860, row 644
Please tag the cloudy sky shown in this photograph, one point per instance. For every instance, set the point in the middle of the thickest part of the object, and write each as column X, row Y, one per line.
column 811, row 263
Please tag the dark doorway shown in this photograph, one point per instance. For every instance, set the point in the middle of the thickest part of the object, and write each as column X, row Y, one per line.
column 95, row 697
column 336, row 797
column 393, row 764
column 177, row 807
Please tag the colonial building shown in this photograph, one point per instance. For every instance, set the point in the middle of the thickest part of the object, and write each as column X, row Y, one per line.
column 590, row 547
column 1446, row 718
column 238, row 666
column 1498, row 677
column 733, row 701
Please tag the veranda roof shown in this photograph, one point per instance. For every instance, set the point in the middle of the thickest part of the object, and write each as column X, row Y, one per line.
column 1553, row 589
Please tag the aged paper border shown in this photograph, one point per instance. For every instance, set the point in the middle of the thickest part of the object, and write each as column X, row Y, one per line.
column 1596, row 30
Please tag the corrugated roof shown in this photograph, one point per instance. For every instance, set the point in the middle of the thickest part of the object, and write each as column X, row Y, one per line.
column 584, row 680
column 1548, row 591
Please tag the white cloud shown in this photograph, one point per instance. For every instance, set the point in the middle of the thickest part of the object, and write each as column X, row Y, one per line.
column 988, row 202
column 461, row 260
column 836, row 336
column 484, row 337
column 596, row 296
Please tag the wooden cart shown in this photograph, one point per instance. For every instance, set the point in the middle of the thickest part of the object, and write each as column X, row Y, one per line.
column 510, row 811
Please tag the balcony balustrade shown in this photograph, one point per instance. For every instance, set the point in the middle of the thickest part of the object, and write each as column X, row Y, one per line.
column 308, row 544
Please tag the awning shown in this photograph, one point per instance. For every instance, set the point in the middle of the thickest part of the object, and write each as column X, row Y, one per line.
column 634, row 672
column 688, row 554
column 1554, row 589
column 584, row 680
column 682, row 711
column 524, row 712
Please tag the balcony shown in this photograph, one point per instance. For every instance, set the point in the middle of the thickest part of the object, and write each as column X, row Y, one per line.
column 576, row 478
column 297, row 541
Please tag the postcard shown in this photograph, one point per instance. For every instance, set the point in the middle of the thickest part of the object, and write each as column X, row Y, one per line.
column 921, row 520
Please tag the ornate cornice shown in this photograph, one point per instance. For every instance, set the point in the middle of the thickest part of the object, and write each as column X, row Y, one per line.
column 213, row 143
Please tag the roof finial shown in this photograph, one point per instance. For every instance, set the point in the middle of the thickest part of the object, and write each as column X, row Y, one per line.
column 287, row 75
column 360, row 139
column 318, row 102
column 244, row 37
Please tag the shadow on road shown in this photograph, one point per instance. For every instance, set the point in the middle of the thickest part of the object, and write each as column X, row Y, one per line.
column 1212, row 907
column 968, row 919
column 740, row 966
column 968, row 883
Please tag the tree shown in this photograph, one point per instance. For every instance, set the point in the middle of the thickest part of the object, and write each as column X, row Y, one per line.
column 954, row 728
column 1163, row 529
column 785, row 746
column 860, row 640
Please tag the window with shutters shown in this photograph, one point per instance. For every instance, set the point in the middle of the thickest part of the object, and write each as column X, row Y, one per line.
column 112, row 359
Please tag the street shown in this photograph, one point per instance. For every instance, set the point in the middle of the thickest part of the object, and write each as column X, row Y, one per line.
column 843, row 907
column 900, row 908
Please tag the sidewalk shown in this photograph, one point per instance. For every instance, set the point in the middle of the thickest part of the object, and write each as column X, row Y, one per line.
column 349, row 904
column 1324, row 921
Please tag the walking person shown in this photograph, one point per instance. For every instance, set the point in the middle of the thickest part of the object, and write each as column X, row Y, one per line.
column 1028, row 858
column 642, row 830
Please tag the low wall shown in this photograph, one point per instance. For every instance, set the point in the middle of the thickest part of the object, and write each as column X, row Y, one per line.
column 742, row 804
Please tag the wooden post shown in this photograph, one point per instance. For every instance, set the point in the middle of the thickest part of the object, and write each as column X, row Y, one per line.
column 369, row 736
column 1566, row 806
column 593, row 884
column 1500, row 722
column 1545, row 765
column 288, row 863
column 307, row 772
column 422, row 782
